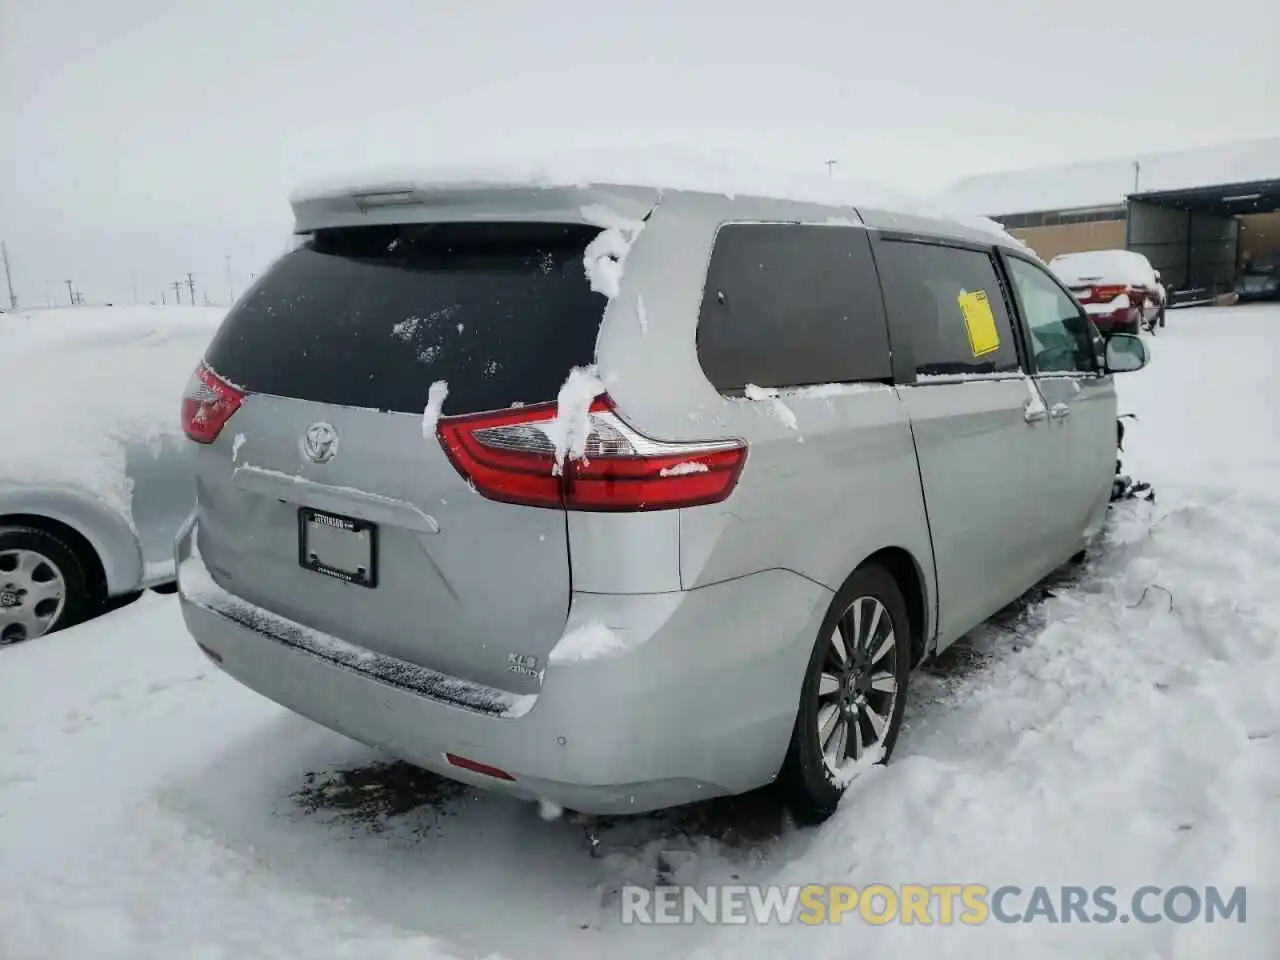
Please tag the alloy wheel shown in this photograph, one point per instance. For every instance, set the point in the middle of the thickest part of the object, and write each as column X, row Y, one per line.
column 858, row 687
column 33, row 594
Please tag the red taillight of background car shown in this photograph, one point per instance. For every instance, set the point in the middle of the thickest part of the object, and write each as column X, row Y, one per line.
column 1105, row 293
column 510, row 457
column 207, row 405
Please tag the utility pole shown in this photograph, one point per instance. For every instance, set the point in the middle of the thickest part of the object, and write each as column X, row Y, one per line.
column 164, row 301
column 177, row 291
column 71, row 297
column 191, row 285
column 133, row 278
column 231, row 290
column 13, row 300
column 831, row 167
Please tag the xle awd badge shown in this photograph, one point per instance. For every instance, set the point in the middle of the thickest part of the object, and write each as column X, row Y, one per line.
column 522, row 664
column 320, row 442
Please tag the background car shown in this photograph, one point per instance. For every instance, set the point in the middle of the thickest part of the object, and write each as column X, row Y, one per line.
column 1259, row 282
column 94, row 482
column 1118, row 288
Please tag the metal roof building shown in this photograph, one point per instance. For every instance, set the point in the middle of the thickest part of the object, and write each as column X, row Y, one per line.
column 1197, row 214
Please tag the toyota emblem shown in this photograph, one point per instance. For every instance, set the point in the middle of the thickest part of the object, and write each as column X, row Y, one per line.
column 320, row 442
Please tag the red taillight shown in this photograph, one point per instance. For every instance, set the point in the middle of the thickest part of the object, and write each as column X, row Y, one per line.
column 1107, row 292
column 207, row 405
column 510, row 456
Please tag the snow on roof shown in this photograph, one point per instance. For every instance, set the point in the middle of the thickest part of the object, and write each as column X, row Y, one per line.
column 1103, row 183
column 658, row 168
column 665, row 168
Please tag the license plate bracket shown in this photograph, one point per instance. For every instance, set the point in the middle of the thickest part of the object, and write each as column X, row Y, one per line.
column 344, row 548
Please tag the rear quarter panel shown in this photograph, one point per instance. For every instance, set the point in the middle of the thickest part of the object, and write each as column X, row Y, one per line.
column 816, row 498
column 817, row 495
column 163, row 477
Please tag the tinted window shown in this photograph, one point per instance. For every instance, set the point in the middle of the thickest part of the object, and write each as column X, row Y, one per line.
column 951, row 301
column 1062, row 338
column 372, row 316
column 788, row 305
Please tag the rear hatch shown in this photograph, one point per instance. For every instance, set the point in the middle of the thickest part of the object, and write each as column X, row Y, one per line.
column 337, row 348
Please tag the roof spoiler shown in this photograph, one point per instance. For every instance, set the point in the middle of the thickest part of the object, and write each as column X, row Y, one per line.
column 392, row 203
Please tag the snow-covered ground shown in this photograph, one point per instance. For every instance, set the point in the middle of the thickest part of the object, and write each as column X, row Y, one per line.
column 1123, row 729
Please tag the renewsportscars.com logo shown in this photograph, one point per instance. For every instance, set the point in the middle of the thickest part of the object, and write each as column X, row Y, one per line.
column 969, row 904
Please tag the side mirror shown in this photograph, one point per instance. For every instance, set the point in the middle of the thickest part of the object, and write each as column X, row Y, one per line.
column 1126, row 353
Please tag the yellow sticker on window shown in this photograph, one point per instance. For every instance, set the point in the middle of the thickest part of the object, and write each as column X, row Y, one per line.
column 980, row 322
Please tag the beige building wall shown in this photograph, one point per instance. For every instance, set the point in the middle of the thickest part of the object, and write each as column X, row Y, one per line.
column 1051, row 240
column 1260, row 237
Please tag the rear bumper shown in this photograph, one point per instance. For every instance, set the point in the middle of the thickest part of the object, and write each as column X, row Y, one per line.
column 700, row 703
column 1125, row 319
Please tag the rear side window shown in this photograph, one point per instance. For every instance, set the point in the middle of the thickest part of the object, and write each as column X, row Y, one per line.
column 952, row 302
column 788, row 305
column 372, row 316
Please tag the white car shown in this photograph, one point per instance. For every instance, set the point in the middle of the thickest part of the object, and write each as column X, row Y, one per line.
column 94, row 481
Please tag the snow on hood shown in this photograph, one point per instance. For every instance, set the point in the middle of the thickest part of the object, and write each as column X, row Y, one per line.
column 87, row 382
column 1104, row 266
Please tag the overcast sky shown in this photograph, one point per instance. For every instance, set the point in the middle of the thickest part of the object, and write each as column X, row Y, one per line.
column 147, row 138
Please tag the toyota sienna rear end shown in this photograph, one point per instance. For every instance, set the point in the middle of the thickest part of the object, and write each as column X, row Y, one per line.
column 466, row 494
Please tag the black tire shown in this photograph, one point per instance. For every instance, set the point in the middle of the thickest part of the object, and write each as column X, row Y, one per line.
column 806, row 780
column 78, row 598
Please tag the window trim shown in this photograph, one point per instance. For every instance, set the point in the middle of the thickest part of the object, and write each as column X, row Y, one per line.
column 1005, row 256
column 900, row 340
column 879, row 305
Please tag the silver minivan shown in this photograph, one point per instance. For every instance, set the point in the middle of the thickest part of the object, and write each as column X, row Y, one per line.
column 620, row 498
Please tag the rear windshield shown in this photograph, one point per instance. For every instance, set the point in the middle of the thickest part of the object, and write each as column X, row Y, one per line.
column 372, row 316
